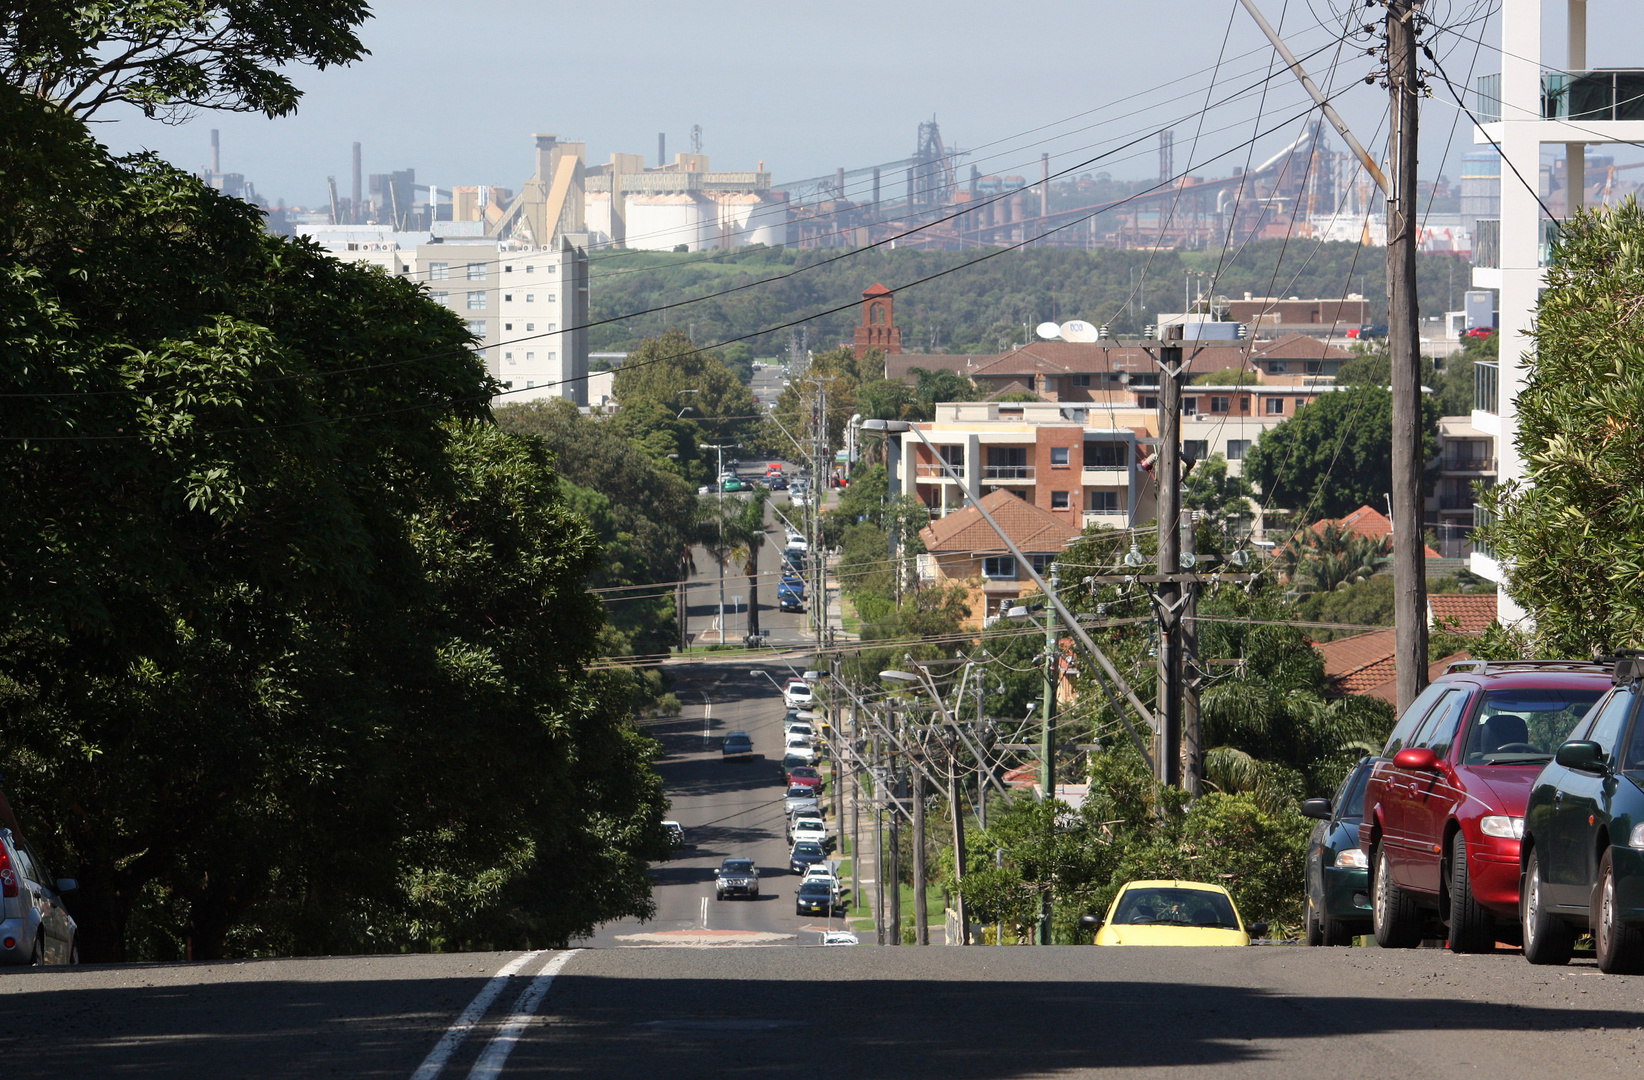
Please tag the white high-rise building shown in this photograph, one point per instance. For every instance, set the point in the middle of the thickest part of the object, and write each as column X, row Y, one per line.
column 1531, row 104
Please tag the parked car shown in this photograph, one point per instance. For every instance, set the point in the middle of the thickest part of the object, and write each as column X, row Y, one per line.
column 799, row 797
column 801, row 747
column 800, row 728
column 729, row 482
column 1171, row 913
column 804, row 775
column 35, row 926
column 823, row 872
column 814, row 898
column 1583, row 849
column 794, row 582
column 789, row 600
column 1337, row 877
column 812, row 829
column 736, row 747
column 805, row 854
column 736, row 877
column 1444, row 805
column 676, row 835
column 802, row 814
column 798, row 695
column 1367, row 333
column 1481, row 332
column 777, row 482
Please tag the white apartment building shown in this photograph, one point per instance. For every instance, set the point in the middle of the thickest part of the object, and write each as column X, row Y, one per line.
column 1533, row 103
column 528, row 306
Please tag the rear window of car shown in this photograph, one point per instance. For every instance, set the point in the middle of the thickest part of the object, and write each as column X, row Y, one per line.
column 1524, row 726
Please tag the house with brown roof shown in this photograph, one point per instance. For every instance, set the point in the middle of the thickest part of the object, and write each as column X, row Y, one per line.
column 1461, row 613
column 1369, row 522
column 1362, row 665
column 963, row 547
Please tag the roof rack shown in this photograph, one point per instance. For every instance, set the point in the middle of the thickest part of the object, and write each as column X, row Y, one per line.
column 1485, row 667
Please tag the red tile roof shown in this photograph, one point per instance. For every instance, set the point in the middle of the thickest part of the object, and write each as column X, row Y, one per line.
column 1033, row 530
column 876, row 289
column 1366, row 521
column 1362, row 665
column 1462, row 613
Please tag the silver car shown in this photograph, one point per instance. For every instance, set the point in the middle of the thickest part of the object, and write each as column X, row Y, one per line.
column 35, row 927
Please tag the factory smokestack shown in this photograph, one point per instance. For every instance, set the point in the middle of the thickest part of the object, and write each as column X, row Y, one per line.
column 354, row 213
column 661, row 149
column 216, row 159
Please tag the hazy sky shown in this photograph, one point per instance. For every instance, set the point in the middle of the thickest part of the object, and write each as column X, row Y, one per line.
column 454, row 90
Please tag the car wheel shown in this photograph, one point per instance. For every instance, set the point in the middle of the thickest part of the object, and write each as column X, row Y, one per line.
column 1315, row 932
column 1334, row 931
column 1472, row 929
column 37, row 958
column 718, row 895
column 1620, row 948
column 74, row 950
column 1396, row 918
column 1547, row 938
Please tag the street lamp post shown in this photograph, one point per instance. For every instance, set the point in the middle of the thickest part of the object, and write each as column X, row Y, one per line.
column 719, row 489
column 953, row 796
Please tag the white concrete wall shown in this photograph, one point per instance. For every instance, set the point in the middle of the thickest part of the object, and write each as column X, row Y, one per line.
column 537, row 305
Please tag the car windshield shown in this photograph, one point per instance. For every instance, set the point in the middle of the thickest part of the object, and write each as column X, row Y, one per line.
column 736, row 866
column 1176, row 907
column 814, row 888
column 808, row 774
column 809, row 847
column 800, row 791
column 1524, row 727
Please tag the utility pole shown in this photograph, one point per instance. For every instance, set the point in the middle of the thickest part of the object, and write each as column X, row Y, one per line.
column 1167, row 472
column 894, row 885
column 921, row 929
column 956, row 808
column 881, row 780
column 856, row 807
column 1403, row 341
column 1047, row 738
column 1192, row 737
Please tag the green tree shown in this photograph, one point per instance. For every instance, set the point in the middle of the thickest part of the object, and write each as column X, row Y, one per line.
column 1335, row 454
column 1570, row 534
column 1330, row 556
column 930, row 387
column 1219, row 498
column 168, row 56
column 670, row 374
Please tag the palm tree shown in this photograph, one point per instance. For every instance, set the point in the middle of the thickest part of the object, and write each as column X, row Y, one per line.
column 1328, row 558
column 745, row 533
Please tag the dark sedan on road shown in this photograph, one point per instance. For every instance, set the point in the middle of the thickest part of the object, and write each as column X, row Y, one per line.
column 806, row 854
column 815, row 898
column 1582, row 855
column 737, row 747
column 1338, row 873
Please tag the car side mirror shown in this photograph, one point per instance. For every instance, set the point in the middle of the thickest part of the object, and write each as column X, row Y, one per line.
column 67, row 884
column 1416, row 758
column 1582, row 755
column 1090, row 922
column 1316, row 808
column 1256, row 929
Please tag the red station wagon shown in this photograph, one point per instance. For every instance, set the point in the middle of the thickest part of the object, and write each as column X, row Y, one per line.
column 1444, row 805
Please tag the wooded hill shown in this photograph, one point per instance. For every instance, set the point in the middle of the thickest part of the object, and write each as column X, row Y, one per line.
column 975, row 306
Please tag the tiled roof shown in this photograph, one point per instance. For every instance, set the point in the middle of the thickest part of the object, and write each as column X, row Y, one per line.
column 1462, row 613
column 1366, row 521
column 1362, row 665
column 1033, row 530
column 876, row 289
column 897, row 365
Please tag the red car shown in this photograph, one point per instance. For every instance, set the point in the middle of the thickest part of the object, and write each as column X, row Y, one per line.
column 805, row 776
column 1444, row 805
column 1480, row 331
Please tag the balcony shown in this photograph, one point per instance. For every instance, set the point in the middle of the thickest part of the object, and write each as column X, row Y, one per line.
column 1485, row 391
column 1004, row 474
column 1487, row 242
column 1488, row 106
column 937, row 472
column 1107, row 475
column 1460, row 463
column 1608, row 94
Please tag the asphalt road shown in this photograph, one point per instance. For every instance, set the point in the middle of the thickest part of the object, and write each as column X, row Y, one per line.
column 1282, row 1012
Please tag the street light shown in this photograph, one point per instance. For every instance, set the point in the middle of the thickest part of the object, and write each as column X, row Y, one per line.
column 719, row 488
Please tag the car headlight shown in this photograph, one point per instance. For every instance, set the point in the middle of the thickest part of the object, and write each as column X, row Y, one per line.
column 1636, row 840
column 1352, row 859
column 1502, row 827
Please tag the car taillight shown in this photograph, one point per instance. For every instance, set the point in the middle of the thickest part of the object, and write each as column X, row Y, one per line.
column 8, row 876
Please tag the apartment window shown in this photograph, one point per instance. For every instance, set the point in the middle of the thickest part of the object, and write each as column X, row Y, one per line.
column 1058, row 500
column 476, row 300
column 1300, row 402
column 476, row 271
column 530, row 298
column 552, row 327
column 507, row 326
column 1236, row 449
column 1106, row 455
column 1081, row 380
column 1244, row 404
column 552, row 355
column 529, row 383
column 508, row 298
column 1102, row 502
column 999, row 567
column 1058, row 455
column 551, row 298
column 438, row 271
column 1195, row 449
column 1277, row 367
column 530, row 269
column 530, row 356
column 1041, row 563
column 439, row 297
column 404, row 269
column 1219, row 404
column 1150, row 402
column 551, row 269
column 476, row 327
column 1275, row 406
column 530, row 326
column 1313, row 367
column 1190, row 405
column 508, row 269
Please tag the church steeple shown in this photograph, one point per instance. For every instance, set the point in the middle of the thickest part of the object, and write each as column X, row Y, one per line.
column 878, row 328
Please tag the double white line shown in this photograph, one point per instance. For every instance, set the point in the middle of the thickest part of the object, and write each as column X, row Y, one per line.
column 495, row 1054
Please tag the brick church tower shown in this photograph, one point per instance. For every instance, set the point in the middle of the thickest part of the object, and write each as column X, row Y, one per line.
column 877, row 331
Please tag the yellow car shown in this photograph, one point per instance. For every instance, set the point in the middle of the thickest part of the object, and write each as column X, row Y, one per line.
column 1172, row 913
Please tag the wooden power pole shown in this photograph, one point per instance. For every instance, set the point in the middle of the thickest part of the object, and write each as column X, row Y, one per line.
column 1404, row 349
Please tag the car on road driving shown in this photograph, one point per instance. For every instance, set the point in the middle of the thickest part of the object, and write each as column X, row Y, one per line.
column 35, row 926
column 1337, row 874
column 736, row 877
column 1582, row 856
column 1444, row 803
column 738, row 746
column 1172, row 913
column 797, row 695
column 814, row 898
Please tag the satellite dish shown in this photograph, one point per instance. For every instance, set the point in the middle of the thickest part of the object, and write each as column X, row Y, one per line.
column 1049, row 331
column 1080, row 331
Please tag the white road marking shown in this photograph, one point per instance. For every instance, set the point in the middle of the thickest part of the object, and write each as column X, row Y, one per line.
column 707, row 717
column 489, row 1065
column 704, row 913
column 457, row 1032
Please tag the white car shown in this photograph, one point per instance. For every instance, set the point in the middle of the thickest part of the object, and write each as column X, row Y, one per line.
column 798, row 695
column 798, row 727
column 811, row 829
column 801, row 750
column 822, row 872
